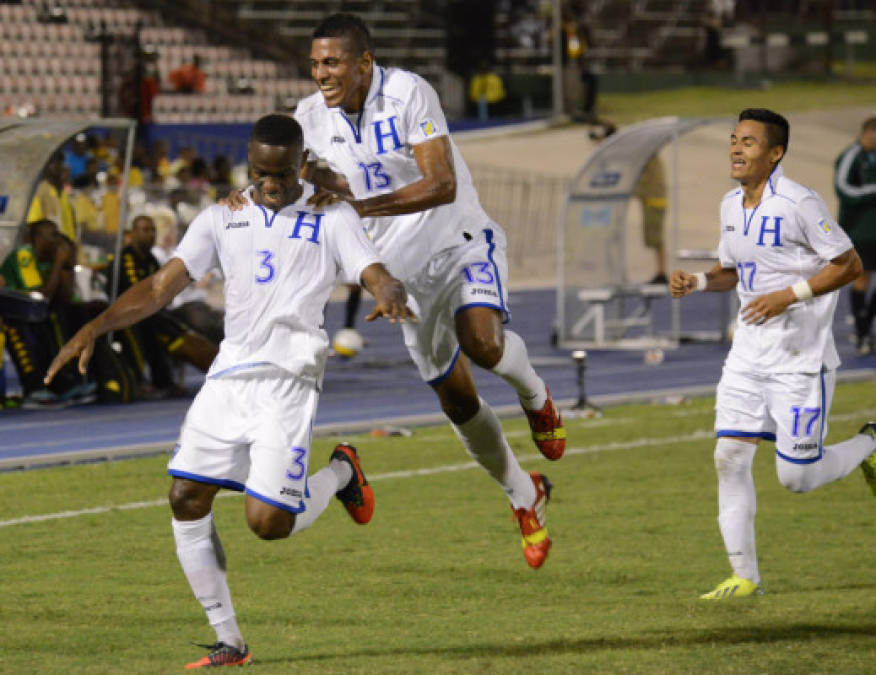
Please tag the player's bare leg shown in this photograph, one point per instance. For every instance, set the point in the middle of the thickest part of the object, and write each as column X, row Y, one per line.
column 482, row 338
column 481, row 434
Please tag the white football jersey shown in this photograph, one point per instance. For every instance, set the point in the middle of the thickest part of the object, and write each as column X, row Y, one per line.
column 373, row 150
column 279, row 271
column 787, row 238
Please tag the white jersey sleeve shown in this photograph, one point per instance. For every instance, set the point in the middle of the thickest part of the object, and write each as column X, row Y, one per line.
column 198, row 249
column 724, row 255
column 352, row 249
column 821, row 231
column 423, row 117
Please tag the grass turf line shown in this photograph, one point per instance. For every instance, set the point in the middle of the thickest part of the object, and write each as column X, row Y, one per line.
column 437, row 581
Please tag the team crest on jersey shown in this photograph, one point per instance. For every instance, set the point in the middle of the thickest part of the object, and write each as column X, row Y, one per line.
column 429, row 127
column 825, row 225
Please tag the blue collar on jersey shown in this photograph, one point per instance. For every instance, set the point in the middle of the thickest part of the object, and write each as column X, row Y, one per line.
column 374, row 93
column 266, row 212
column 776, row 173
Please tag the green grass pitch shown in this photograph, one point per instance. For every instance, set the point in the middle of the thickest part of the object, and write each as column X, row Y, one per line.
column 437, row 582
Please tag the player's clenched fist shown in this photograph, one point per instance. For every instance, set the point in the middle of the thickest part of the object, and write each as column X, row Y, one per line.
column 681, row 283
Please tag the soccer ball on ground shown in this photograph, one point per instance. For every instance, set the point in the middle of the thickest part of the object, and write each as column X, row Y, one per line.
column 348, row 342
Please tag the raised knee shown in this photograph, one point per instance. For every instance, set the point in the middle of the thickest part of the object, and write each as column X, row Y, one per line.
column 794, row 478
column 483, row 350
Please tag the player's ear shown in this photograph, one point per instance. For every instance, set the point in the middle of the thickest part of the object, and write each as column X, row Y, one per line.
column 366, row 61
column 776, row 154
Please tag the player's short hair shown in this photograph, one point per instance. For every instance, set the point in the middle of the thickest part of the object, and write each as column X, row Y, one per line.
column 276, row 129
column 777, row 128
column 345, row 25
column 869, row 124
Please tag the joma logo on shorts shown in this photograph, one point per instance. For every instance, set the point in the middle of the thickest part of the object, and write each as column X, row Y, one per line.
column 290, row 492
column 805, row 446
column 484, row 291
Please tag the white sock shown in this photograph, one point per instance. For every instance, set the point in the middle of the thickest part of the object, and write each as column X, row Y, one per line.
column 515, row 369
column 203, row 561
column 837, row 461
column 737, row 505
column 483, row 439
column 322, row 486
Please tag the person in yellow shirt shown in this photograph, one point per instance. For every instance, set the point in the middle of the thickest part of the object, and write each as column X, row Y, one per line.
column 486, row 90
column 51, row 201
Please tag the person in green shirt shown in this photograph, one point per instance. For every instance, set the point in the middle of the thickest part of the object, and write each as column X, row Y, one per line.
column 855, row 185
column 44, row 265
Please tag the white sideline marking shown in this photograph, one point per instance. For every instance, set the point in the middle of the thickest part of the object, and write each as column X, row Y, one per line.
column 413, row 473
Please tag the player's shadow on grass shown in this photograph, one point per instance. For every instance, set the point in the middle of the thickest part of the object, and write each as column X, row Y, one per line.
column 653, row 640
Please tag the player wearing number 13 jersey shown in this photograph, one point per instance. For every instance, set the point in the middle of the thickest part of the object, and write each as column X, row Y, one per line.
column 383, row 142
column 787, row 259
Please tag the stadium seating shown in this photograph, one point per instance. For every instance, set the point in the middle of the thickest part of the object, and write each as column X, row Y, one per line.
column 55, row 66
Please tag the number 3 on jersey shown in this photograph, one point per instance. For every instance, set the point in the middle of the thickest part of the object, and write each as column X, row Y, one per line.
column 479, row 272
column 265, row 272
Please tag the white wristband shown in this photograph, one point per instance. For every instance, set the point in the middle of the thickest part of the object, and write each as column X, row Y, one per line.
column 701, row 281
column 802, row 291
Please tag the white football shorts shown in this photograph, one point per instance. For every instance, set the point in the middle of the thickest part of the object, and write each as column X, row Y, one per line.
column 250, row 432
column 473, row 274
column 788, row 408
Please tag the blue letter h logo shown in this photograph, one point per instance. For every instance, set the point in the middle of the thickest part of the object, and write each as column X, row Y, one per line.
column 314, row 226
column 775, row 231
column 379, row 134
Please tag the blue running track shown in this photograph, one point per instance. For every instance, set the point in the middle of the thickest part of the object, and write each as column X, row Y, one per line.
column 381, row 387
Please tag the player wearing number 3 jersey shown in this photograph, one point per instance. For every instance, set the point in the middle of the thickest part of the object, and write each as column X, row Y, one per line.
column 786, row 257
column 250, row 426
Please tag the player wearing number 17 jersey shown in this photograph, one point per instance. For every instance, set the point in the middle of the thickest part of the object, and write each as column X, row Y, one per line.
column 786, row 257
column 383, row 138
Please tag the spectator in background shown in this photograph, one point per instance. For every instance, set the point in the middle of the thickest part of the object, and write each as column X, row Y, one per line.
column 577, row 70
column 77, row 156
column 855, row 184
column 189, row 78
column 712, row 21
column 51, row 201
column 651, row 192
column 486, row 91
column 45, row 264
column 220, row 176
column 159, row 161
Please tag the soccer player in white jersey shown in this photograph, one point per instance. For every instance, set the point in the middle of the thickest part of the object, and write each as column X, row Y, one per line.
column 383, row 136
column 786, row 257
column 250, row 426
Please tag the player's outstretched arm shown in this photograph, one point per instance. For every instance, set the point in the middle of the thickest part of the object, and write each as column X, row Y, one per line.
column 716, row 279
column 141, row 300
column 389, row 293
column 436, row 187
column 841, row 270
